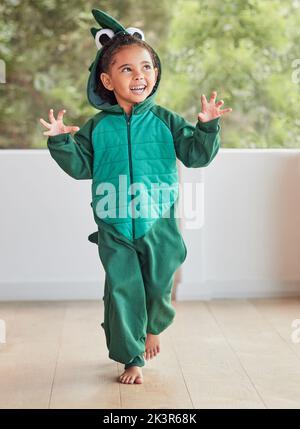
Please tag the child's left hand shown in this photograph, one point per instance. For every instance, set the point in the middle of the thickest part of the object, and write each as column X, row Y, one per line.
column 210, row 110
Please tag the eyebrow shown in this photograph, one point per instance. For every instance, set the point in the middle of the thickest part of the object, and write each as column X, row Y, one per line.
column 142, row 62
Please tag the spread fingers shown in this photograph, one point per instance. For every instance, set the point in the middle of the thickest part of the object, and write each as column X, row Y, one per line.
column 46, row 124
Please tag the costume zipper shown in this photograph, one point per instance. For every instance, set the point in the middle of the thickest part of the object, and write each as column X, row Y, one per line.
column 130, row 165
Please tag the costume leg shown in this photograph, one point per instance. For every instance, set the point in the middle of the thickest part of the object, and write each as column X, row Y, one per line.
column 161, row 252
column 125, row 315
column 137, row 361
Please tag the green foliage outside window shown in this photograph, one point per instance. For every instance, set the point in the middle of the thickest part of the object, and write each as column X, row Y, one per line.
column 246, row 50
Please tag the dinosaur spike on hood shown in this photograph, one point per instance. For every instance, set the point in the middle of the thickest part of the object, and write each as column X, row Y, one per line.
column 107, row 21
column 94, row 31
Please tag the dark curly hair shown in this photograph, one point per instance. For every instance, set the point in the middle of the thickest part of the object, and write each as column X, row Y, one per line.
column 109, row 50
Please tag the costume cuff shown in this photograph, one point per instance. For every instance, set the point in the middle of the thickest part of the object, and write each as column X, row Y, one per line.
column 209, row 126
column 59, row 138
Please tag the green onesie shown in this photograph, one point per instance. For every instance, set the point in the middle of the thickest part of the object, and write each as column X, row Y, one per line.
column 132, row 164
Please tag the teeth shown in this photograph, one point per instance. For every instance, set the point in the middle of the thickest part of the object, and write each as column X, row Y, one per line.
column 138, row 87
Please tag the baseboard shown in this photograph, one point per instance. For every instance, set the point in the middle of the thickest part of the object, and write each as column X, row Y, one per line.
column 237, row 289
column 48, row 291
column 94, row 290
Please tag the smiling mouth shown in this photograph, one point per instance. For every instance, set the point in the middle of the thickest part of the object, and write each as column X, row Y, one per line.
column 138, row 90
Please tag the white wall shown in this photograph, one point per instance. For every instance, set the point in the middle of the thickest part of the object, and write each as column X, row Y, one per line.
column 249, row 244
column 45, row 220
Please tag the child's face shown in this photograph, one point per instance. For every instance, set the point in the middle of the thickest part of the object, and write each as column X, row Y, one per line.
column 132, row 66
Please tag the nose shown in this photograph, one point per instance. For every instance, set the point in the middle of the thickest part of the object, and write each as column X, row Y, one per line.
column 139, row 76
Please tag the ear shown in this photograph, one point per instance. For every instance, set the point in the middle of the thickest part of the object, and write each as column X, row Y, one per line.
column 156, row 72
column 106, row 81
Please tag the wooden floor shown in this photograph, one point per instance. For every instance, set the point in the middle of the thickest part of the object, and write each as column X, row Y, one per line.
column 217, row 354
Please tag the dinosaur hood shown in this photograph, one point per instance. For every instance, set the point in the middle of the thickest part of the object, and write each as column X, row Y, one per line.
column 109, row 29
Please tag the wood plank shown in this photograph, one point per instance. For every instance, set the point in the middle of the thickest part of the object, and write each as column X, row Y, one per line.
column 213, row 374
column 270, row 363
column 27, row 360
column 280, row 313
column 85, row 376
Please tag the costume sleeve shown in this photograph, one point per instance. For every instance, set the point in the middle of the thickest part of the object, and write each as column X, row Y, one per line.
column 74, row 155
column 195, row 146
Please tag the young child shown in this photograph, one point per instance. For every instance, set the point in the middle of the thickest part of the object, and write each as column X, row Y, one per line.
column 135, row 139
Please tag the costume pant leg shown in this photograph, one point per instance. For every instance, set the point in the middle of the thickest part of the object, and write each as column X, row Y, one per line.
column 161, row 252
column 125, row 315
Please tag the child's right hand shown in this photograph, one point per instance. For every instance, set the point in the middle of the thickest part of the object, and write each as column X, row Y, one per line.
column 57, row 126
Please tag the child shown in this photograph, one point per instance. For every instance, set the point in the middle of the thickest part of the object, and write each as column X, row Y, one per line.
column 135, row 139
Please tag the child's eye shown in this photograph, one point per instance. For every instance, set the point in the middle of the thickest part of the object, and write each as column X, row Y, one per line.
column 128, row 68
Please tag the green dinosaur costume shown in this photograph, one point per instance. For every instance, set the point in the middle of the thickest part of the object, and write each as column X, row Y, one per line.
column 138, row 239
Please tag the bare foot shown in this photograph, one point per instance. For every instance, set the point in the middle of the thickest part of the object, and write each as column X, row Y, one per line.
column 152, row 346
column 132, row 375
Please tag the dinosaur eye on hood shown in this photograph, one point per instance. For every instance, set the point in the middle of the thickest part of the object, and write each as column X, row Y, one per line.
column 136, row 32
column 103, row 36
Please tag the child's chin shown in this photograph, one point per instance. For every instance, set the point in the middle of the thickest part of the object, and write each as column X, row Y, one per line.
column 140, row 98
